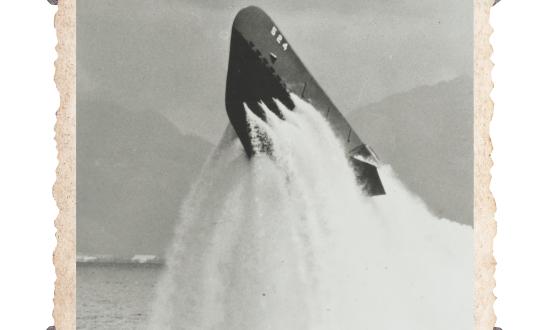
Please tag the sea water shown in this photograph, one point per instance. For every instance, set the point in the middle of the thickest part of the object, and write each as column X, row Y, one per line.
column 115, row 296
column 287, row 240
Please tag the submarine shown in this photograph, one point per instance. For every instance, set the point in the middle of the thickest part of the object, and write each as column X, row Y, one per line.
column 262, row 67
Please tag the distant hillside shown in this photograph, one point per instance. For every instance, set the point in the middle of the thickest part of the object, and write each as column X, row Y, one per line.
column 133, row 170
column 426, row 135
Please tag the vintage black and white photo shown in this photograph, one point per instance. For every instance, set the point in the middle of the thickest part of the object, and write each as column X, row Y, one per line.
column 275, row 165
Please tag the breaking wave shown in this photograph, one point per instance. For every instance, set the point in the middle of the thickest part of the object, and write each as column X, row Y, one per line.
column 288, row 241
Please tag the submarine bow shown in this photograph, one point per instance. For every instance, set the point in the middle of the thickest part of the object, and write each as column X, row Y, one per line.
column 263, row 67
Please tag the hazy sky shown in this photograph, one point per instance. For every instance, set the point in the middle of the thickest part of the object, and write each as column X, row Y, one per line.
column 146, row 69
column 171, row 56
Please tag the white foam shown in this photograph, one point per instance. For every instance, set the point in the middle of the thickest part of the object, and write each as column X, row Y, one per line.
column 288, row 241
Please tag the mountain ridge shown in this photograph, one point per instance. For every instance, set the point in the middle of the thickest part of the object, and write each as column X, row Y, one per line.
column 125, row 161
column 426, row 135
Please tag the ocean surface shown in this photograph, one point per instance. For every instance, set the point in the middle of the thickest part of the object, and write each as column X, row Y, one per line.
column 292, row 244
column 115, row 296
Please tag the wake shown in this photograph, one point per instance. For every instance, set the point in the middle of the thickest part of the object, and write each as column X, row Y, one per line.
column 288, row 241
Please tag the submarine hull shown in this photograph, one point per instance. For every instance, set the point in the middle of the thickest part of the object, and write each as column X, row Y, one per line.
column 262, row 67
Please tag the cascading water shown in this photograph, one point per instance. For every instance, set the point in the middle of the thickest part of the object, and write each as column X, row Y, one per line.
column 288, row 241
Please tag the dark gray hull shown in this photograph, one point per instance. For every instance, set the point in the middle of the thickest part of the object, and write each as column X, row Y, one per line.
column 263, row 67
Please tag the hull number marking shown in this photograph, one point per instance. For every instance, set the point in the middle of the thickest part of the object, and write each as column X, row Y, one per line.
column 279, row 38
